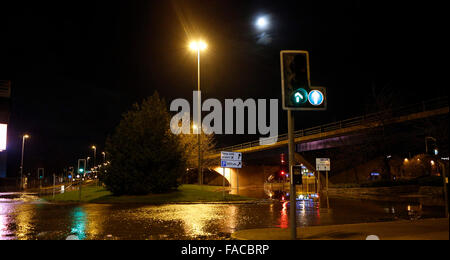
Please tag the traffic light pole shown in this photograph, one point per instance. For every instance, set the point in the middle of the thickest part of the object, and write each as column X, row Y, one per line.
column 293, row 191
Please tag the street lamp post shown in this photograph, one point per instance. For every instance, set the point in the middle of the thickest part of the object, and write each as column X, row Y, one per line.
column 95, row 154
column 21, row 161
column 198, row 47
column 426, row 142
column 104, row 157
column 87, row 162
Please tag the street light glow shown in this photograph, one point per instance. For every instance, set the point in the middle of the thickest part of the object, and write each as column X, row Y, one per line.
column 198, row 46
column 26, row 136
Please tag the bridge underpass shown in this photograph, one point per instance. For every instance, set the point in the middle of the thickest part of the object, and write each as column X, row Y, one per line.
column 260, row 161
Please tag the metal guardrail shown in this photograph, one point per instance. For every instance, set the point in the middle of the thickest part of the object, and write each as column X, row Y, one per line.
column 429, row 105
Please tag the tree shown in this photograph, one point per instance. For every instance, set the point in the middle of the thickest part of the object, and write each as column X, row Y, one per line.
column 189, row 142
column 145, row 156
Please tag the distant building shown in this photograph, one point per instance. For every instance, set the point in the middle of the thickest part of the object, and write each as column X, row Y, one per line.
column 5, row 97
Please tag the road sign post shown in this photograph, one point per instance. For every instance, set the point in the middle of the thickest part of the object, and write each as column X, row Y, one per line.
column 237, row 181
column 230, row 160
column 324, row 164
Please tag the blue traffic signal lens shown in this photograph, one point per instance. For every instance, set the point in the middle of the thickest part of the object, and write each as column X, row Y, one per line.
column 316, row 98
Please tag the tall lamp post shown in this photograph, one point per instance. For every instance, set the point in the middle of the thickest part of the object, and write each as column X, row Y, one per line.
column 21, row 161
column 95, row 155
column 104, row 157
column 87, row 162
column 199, row 46
column 426, row 142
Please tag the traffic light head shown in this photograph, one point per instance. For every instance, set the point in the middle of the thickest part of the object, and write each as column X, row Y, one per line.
column 297, row 175
column 297, row 92
column 41, row 173
column 82, row 166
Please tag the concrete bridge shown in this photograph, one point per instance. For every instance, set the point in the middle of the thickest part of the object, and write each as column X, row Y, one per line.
column 260, row 161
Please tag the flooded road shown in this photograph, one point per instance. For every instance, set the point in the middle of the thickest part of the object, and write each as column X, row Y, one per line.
column 26, row 217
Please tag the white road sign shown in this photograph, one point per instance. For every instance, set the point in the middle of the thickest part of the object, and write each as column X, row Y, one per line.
column 230, row 156
column 323, row 164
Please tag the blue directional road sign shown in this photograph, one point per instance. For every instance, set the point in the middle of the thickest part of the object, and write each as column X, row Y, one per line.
column 232, row 164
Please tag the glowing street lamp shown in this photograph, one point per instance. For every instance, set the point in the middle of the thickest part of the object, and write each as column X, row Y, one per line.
column 104, row 157
column 199, row 46
column 21, row 161
column 95, row 153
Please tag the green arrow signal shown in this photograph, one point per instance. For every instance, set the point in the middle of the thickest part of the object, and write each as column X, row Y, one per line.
column 298, row 97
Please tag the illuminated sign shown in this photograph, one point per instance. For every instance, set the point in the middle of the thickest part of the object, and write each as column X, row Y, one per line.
column 3, row 136
column 300, row 96
column 316, row 98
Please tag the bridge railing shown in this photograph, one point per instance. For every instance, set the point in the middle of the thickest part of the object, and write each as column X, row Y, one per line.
column 429, row 105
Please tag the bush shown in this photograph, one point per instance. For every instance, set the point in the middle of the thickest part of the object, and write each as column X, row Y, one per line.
column 145, row 156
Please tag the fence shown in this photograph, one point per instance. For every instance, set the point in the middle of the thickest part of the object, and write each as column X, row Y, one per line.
column 430, row 105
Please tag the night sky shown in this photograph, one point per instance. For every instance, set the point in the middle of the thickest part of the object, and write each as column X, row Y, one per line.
column 76, row 66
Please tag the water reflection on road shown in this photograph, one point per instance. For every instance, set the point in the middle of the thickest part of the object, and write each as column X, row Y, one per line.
column 24, row 217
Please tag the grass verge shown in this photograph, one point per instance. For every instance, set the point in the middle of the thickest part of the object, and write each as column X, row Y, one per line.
column 184, row 194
